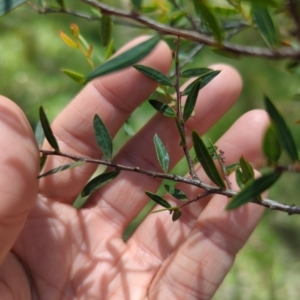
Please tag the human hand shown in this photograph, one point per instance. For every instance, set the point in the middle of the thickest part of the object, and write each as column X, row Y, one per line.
column 50, row 250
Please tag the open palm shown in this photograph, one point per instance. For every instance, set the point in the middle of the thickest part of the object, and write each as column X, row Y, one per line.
column 52, row 251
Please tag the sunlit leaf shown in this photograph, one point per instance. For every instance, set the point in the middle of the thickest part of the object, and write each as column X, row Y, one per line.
column 206, row 161
column 195, row 72
column 154, row 74
column 253, row 189
column 103, row 137
column 98, row 182
column 8, row 5
column 163, row 108
column 39, row 134
column 265, row 25
column 271, row 145
column 205, row 79
column 284, row 134
column 158, row 199
column 191, row 101
column 162, row 153
column 110, row 49
column 125, row 59
column 106, row 29
column 128, row 129
column 209, row 18
column 176, row 193
column 176, row 214
column 62, row 168
column 47, row 130
column 68, row 41
column 79, row 78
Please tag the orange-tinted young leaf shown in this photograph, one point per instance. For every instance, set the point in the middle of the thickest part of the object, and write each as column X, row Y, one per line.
column 75, row 30
column 68, row 41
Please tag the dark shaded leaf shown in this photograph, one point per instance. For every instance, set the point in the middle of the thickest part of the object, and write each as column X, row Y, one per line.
column 39, row 134
column 209, row 18
column 137, row 4
column 98, row 182
column 182, row 135
column 154, row 74
column 158, row 199
column 176, row 193
column 106, row 29
column 8, row 5
column 271, row 145
column 61, row 3
column 265, row 25
column 205, row 79
column 162, row 154
column 206, row 161
column 191, row 101
column 284, row 134
column 77, row 77
column 163, row 108
column 195, row 72
column 247, row 170
column 43, row 160
column 103, row 138
column 176, row 214
column 239, row 178
column 125, row 59
column 47, row 130
column 253, row 189
column 62, row 168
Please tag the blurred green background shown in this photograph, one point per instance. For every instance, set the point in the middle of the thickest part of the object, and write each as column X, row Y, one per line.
column 31, row 56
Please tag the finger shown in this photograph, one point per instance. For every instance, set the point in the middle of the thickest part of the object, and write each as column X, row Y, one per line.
column 19, row 169
column 196, row 269
column 113, row 98
column 127, row 196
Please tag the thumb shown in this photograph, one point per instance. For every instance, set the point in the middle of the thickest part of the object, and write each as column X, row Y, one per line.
column 18, row 173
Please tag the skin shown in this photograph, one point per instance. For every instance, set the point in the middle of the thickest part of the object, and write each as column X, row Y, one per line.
column 49, row 250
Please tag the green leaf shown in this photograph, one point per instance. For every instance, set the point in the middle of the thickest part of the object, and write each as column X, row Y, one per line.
column 47, row 130
column 163, row 108
column 209, row 18
column 106, row 29
column 253, row 189
column 271, row 145
column 206, row 161
column 182, row 135
column 103, row 138
column 195, row 72
column 231, row 168
column 128, row 129
column 137, row 4
column 43, row 160
column 110, row 49
column 176, row 214
column 284, row 134
column 158, row 199
column 176, row 193
column 247, row 170
column 263, row 3
column 162, row 154
column 154, row 74
column 205, row 79
column 98, row 182
column 62, row 168
column 61, row 3
column 265, row 25
column 8, row 5
column 125, row 59
column 191, row 101
column 39, row 134
column 77, row 77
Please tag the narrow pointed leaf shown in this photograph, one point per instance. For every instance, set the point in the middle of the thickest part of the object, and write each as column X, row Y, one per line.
column 253, row 189
column 271, row 145
column 39, row 134
column 125, row 59
column 176, row 214
column 67, row 40
column 182, row 135
column 77, row 77
column 62, row 168
column 47, row 130
column 285, row 136
column 163, row 108
column 158, row 199
column 43, row 160
column 106, row 29
column 98, row 182
column 103, row 138
column 265, row 25
column 191, row 101
column 239, row 178
column 162, row 154
column 176, row 193
column 195, row 72
column 205, row 79
column 206, row 161
column 231, row 168
column 8, row 5
column 247, row 170
column 154, row 74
